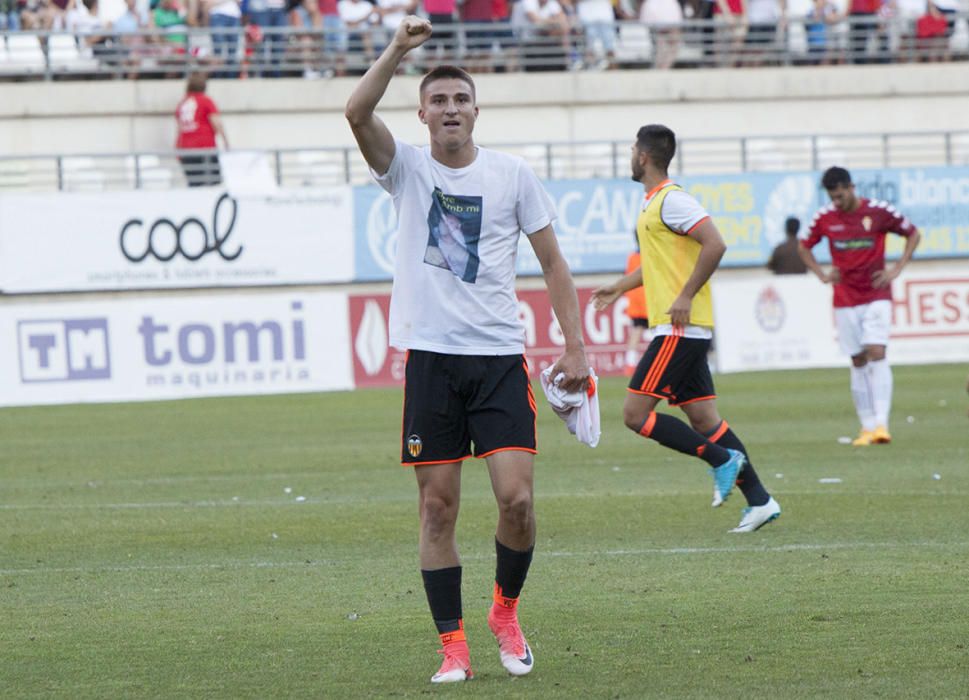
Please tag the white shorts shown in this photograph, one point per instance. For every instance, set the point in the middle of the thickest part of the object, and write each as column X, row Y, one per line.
column 865, row 324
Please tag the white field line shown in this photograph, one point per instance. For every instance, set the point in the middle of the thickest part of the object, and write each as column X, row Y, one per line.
column 645, row 551
column 411, row 496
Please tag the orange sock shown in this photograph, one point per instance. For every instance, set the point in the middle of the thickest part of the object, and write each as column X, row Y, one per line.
column 504, row 607
column 455, row 643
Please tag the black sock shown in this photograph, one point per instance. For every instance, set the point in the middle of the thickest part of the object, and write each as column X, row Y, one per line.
column 443, row 588
column 747, row 481
column 673, row 433
column 511, row 569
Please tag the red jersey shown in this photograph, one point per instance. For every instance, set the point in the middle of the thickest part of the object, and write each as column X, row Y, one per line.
column 857, row 242
column 194, row 128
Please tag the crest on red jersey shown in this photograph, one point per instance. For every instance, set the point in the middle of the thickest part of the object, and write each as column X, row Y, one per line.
column 866, row 223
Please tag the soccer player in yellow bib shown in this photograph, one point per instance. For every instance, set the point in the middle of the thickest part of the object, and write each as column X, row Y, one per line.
column 681, row 248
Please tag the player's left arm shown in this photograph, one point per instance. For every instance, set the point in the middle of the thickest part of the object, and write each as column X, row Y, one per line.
column 882, row 278
column 565, row 303
column 712, row 249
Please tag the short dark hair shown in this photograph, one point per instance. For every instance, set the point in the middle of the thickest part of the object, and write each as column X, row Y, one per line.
column 442, row 72
column 197, row 81
column 834, row 177
column 792, row 225
column 659, row 142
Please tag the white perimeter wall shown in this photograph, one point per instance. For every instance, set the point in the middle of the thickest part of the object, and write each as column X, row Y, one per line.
column 121, row 116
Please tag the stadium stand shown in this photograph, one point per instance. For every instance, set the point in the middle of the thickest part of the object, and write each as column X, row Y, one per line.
column 308, row 51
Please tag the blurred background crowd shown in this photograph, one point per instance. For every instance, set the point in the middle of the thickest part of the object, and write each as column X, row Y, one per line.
column 324, row 38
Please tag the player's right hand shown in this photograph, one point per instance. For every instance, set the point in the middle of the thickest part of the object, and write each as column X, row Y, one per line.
column 412, row 32
column 604, row 296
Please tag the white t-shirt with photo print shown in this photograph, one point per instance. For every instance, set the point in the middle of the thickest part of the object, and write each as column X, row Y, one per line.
column 457, row 244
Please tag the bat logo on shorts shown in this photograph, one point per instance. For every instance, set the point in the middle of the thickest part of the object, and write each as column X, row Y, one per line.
column 414, row 445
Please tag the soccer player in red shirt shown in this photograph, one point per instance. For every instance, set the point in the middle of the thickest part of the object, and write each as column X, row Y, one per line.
column 855, row 228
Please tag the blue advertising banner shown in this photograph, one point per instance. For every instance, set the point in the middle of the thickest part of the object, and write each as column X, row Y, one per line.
column 597, row 217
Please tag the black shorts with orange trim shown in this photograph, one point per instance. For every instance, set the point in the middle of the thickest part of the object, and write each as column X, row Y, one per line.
column 456, row 406
column 676, row 369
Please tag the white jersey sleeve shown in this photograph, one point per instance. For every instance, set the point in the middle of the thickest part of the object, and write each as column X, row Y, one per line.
column 534, row 207
column 406, row 158
column 681, row 212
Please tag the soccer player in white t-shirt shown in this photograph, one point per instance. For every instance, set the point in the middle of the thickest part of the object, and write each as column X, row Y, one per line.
column 461, row 211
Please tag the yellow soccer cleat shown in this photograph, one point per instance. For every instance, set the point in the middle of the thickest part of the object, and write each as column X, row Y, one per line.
column 865, row 438
column 880, row 435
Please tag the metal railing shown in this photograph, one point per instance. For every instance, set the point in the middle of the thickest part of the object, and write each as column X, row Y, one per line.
column 320, row 167
column 516, row 46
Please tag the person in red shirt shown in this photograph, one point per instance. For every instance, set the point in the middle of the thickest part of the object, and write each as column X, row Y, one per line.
column 856, row 228
column 199, row 122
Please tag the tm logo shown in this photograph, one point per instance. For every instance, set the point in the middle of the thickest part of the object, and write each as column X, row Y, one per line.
column 64, row 351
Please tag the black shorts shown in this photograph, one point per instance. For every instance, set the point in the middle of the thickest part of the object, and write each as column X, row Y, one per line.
column 454, row 401
column 639, row 321
column 674, row 368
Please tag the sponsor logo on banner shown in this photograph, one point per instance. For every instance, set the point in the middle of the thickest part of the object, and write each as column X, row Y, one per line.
column 381, row 230
column 931, row 308
column 200, row 237
column 769, row 310
column 241, row 351
column 164, row 240
column 792, row 196
column 64, row 350
column 374, row 364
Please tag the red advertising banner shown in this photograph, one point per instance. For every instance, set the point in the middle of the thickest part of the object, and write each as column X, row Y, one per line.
column 376, row 364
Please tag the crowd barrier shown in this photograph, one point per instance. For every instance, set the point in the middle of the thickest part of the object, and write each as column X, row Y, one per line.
column 326, row 167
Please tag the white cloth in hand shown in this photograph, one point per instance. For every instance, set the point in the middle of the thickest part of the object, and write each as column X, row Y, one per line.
column 579, row 409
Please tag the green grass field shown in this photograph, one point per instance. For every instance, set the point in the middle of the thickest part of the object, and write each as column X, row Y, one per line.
column 266, row 547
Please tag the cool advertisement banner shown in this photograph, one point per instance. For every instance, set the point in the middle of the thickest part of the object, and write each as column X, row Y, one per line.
column 173, row 348
column 375, row 364
column 787, row 322
column 597, row 217
column 204, row 237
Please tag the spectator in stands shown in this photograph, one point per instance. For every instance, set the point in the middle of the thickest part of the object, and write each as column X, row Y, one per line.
column 732, row 31
column 390, row 14
column 547, row 40
column 443, row 42
column 199, row 122
column 9, row 16
column 357, row 16
column 504, row 36
column 128, row 29
column 82, row 20
column 932, row 31
column 863, row 29
column 225, row 21
column 818, row 25
column 907, row 14
column 477, row 14
column 766, row 19
column 272, row 18
column 598, row 21
column 35, row 15
column 307, row 15
column 334, row 37
column 786, row 258
column 663, row 18
column 170, row 17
